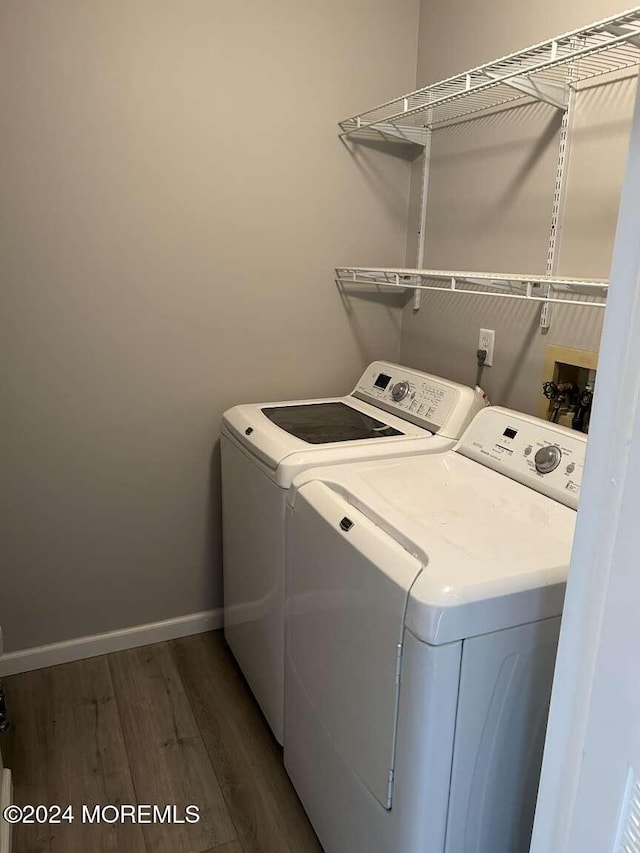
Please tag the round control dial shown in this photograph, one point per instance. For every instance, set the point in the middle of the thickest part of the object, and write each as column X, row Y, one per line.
column 547, row 459
column 400, row 391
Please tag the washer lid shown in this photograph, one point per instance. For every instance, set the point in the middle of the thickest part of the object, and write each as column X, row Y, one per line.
column 495, row 553
column 255, row 426
column 325, row 423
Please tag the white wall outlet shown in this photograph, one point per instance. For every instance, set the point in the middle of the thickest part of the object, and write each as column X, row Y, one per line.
column 487, row 341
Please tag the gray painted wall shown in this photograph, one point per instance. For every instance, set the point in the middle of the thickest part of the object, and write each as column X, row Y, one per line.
column 174, row 198
column 490, row 197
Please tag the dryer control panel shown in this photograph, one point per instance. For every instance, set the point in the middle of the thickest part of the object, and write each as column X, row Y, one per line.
column 425, row 400
column 544, row 456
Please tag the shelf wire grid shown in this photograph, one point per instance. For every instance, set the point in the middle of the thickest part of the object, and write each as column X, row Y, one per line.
column 535, row 288
column 544, row 71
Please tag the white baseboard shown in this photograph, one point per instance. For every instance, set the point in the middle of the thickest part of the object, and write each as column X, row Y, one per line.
column 113, row 641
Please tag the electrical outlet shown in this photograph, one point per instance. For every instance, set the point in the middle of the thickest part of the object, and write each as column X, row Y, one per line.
column 487, row 341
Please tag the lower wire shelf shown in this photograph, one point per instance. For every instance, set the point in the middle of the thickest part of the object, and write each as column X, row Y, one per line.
column 536, row 288
column 544, row 289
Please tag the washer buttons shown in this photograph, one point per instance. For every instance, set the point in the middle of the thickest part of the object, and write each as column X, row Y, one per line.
column 570, row 468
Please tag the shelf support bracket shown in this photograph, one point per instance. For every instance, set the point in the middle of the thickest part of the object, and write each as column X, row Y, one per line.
column 424, row 195
column 550, row 93
column 545, row 315
column 559, row 193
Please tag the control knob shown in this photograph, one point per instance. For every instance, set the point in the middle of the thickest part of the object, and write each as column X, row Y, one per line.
column 548, row 458
column 400, row 391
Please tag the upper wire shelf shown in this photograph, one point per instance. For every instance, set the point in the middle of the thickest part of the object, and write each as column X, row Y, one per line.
column 545, row 72
column 535, row 288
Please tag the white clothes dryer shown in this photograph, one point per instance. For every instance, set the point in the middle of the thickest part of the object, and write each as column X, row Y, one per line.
column 393, row 411
column 423, row 608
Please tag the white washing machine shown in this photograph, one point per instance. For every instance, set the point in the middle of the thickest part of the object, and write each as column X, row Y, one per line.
column 393, row 411
column 423, row 609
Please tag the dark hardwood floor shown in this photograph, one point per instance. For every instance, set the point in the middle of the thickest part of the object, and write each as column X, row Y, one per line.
column 168, row 724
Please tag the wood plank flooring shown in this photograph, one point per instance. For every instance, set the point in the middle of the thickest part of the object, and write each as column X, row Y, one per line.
column 173, row 723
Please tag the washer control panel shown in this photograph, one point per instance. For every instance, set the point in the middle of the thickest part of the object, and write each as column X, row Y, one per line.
column 544, row 456
column 409, row 394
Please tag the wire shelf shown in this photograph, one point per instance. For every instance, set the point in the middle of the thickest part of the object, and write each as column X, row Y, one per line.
column 544, row 72
column 535, row 288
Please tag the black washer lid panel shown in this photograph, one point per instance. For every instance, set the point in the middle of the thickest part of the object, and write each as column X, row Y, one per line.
column 323, row 423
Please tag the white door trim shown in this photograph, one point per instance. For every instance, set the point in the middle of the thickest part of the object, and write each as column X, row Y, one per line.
column 616, row 412
column 6, row 799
